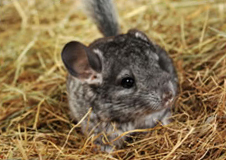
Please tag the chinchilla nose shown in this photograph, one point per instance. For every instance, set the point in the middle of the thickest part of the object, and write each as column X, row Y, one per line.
column 167, row 92
column 166, row 96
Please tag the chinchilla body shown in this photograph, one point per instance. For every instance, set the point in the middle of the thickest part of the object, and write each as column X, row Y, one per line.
column 128, row 81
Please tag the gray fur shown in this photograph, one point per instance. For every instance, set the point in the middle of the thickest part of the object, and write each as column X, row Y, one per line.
column 104, row 15
column 116, row 109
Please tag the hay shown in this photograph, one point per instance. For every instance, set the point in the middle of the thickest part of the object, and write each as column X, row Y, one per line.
column 34, row 118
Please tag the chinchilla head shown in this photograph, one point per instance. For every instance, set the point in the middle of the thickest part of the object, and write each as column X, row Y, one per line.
column 125, row 74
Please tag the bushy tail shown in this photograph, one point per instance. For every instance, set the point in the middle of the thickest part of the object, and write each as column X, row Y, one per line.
column 104, row 15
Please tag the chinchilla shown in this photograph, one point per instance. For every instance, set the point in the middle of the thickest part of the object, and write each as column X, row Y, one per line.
column 128, row 81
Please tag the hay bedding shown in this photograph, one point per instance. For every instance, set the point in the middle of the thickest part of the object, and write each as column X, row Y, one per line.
column 34, row 118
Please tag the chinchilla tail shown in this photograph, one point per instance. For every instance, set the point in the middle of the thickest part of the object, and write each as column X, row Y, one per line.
column 103, row 13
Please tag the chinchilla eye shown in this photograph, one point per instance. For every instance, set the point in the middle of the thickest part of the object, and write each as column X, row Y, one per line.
column 127, row 82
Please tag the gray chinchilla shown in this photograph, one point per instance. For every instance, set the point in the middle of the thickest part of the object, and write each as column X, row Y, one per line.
column 128, row 81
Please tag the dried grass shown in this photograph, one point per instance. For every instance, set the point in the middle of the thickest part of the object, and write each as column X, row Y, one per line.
column 34, row 118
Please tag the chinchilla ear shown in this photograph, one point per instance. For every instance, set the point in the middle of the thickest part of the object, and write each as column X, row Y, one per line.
column 138, row 34
column 80, row 61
